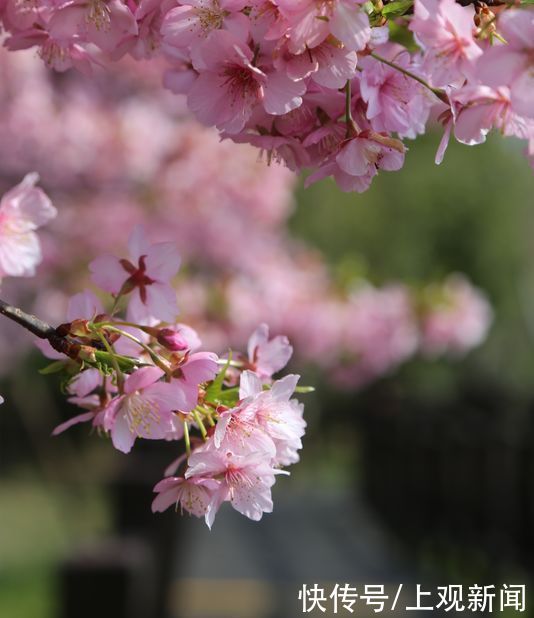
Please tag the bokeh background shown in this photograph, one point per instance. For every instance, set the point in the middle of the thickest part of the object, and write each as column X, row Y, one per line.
column 418, row 465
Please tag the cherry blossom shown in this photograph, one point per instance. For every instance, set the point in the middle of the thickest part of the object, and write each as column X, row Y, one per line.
column 512, row 63
column 457, row 319
column 245, row 478
column 145, row 276
column 193, row 495
column 292, row 76
column 145, row 409
column 268, row 356
column 23, row 210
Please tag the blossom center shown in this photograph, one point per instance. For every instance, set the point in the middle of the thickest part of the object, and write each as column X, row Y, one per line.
column 98, row 14
column 241, row 83
column 138, row 277
column 140, row 414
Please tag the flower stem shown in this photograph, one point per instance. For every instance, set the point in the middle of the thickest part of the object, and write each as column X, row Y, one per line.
column 441, row 94
column 200, row 424
column 118, row 372
column 155, row 357
column 231, row 363
column 187, row 439
column 352, row 127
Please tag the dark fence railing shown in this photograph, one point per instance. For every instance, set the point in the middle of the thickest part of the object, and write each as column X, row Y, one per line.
column 460, row 474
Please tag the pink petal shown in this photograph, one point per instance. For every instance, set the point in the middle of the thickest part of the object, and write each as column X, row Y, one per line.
column 142, row 378
column 107, row 273
column 161, row 302
column 138, row 244
column 84, row 305
column 162, row 261
column 282, row 94
column 258, row 337
column 284, row 388
column 200, row 367
column 81, row 418
column 121, row 436
column 249, row 385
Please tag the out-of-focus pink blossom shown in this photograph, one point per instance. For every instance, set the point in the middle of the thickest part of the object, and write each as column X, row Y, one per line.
column 456, row 319
column 146, row 277
column 23, row 210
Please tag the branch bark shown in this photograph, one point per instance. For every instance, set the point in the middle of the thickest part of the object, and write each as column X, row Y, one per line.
column 40, row 329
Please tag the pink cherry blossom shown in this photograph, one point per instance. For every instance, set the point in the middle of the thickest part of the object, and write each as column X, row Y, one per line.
column 245, row 480
column 395, row 102
column 357, row 160
column 310, row 22
column 146, row 276
column 229, row 86
column 268, row 356
column 379, row 331
column 23, row 210
column 271, row 412
column 445, row 30
column 476, row 110
column 81, row 390
column 192, row 370
column 457, row 320
column 145, row 409
column 193, row 495
column 188, row 25
column 512, row 64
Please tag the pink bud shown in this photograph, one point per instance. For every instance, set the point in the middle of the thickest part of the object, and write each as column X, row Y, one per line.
column 172, row 340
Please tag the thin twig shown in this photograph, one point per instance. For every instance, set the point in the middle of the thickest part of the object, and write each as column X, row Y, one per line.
column 441, row 94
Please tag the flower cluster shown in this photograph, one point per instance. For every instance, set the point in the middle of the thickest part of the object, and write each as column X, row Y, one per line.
column 179, row 182
column 335, row 85
column 142, row 376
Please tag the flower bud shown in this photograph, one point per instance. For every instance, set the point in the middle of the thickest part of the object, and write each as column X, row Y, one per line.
column 172, row 339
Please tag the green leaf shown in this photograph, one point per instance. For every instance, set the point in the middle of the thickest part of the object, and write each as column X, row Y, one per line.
column 54, row 367
column 403, row 36
column 397, row 8
column 229, row 397
column 215, row 389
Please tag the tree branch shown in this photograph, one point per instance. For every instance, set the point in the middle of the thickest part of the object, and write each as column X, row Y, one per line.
column 40, row 329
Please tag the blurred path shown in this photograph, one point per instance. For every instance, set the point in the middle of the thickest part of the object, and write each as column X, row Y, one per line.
column 245, row 570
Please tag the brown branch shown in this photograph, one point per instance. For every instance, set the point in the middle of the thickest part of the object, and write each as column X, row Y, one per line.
column 40, row 329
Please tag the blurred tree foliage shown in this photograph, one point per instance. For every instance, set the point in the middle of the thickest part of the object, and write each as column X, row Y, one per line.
column 473, row 214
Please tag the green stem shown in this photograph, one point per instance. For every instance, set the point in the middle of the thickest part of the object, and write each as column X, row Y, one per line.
column 118, row 372
column 200, row 424
column 187, row 439
column 441, row 94
column 116, row 304
column 155, row 357
column 352, row 127
column 226, row 361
